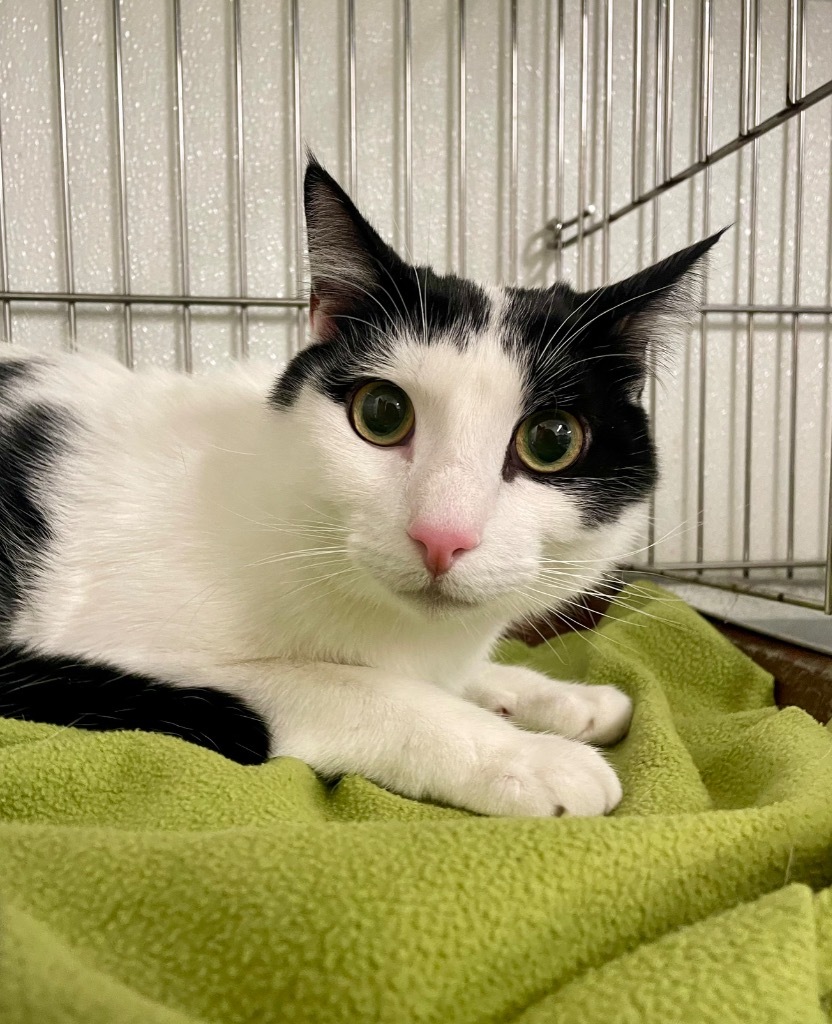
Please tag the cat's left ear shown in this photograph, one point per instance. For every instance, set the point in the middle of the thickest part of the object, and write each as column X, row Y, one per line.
column 640, row 314
column 348, row 260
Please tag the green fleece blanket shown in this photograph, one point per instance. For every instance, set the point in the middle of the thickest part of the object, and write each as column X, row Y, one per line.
column 145, row 880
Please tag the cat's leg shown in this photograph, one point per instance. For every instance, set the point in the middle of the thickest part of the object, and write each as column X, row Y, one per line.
column 418, row 740
column 592, row 714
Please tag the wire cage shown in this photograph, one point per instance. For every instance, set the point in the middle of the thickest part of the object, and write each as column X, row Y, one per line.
column 151, row 157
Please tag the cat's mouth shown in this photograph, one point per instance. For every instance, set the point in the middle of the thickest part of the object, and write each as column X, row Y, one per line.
column 435, row 598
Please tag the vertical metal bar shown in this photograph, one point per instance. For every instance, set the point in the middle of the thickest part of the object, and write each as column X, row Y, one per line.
column 351, row 94
column 408, row 126
column 240, row 178
column 66, row 205
column 583, row 73
column 751, row 107
column 462, row 142
column 667, row 114
column 798, row 244
column 796, row 81
column 560, row 155
column 298, row 140
column 182, row 188
column 638, row 36
column 121, row 185
column 513, row 150
column 827, row 606
column 658, row 159
column 652, row 403
column 706, row 78
column 608, row 100
column 706, row 92
column 745, row 67
column 661, row 44
column 4, row 247
column 827, row 603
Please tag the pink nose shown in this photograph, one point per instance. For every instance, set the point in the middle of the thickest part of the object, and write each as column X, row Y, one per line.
column 440, row 547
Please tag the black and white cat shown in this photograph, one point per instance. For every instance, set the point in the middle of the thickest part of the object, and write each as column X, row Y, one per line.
column 319, row 565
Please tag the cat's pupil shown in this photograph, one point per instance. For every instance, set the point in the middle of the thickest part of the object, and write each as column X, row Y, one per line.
column 384, row 409
column 550, row 439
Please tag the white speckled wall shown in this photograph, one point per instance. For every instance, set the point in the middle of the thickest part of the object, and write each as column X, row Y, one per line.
column 29, row 121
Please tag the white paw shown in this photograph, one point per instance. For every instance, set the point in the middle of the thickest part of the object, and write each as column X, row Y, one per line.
column 543, row 776
column 592, row 714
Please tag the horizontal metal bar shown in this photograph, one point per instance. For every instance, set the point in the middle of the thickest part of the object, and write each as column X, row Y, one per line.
column 738, row 587
column 97, row 298
column 295, row 302
column 756, row 307
column 727, row 566
column 776, row 119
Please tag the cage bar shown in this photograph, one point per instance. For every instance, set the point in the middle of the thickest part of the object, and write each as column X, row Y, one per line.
column 513, row 149
column 583, row 76
column 351, row 99
column 297, row 125
column 797, row 27
column 63, row 149
column 181, row 186
column 407, row 19
column 121, row 186
column 560, row 153
column 4, row 247
column 240, row 177
column 660, row 66
column 705, row 136
column 822, row 92
column 462, row 141
column 670, row 28
column 827, row 579
column 796, row 73
column 749, row 108
column 638, row 36
column 609, row 20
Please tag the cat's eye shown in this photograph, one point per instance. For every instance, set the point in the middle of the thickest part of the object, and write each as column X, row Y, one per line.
column 549, row 441
column 382, row 413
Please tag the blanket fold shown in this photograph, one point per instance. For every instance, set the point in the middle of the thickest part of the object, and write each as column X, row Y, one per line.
column 145, row 879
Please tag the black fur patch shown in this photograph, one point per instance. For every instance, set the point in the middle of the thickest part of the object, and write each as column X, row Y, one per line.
column 31, row 438
column 588, row 354
column 85, row 695
column 12, row 371
column 395, row 296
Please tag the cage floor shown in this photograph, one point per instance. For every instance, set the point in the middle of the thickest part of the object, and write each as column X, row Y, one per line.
column 767, row 610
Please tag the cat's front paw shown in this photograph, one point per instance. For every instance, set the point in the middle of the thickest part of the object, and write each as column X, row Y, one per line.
column 543, row 776
column 592, row 714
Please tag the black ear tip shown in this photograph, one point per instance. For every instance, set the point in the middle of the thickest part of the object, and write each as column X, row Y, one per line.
column 715, row 237
column 314, row 170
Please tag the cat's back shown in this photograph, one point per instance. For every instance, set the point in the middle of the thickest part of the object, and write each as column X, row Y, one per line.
column 98, row 395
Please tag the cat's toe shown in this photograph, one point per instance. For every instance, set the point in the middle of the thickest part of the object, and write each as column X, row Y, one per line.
column 592, row 714
column 608, row 714
column 548, row 776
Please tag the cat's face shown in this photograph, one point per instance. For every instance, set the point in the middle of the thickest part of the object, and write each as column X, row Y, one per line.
column 483, row 449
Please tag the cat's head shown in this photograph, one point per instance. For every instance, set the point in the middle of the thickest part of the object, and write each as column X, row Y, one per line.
column 482, row 447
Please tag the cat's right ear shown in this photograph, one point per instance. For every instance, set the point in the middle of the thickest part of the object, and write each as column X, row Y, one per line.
column 347, row 258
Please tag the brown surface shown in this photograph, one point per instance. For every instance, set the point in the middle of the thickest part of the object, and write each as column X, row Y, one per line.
column 584, row 613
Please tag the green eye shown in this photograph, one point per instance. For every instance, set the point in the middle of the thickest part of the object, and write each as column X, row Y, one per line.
column 382, row 413
column 549, row 441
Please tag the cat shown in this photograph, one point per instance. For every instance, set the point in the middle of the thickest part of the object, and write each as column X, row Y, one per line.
column 319, row 565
